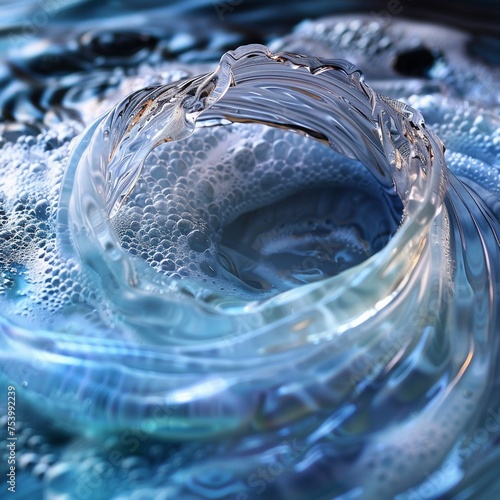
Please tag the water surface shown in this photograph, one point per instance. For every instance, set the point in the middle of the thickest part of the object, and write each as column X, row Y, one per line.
column 295, row 296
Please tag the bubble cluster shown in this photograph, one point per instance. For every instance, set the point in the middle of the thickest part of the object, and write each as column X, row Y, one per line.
column 208, row 209
column 36, row 279
column 191, row 190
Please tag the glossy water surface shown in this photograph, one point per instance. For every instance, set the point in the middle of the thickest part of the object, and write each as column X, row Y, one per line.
column 268, row 280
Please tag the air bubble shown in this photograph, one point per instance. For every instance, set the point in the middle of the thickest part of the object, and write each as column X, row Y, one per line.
column 198, row 241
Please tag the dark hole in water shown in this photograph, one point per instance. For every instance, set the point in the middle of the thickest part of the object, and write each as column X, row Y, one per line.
column 416, row 62
column 309, row 236
column 119, row 44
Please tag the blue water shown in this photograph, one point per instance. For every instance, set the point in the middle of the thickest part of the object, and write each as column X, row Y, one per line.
column 294, row 294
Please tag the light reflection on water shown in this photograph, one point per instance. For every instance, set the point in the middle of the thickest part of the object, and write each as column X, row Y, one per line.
column 250, row 323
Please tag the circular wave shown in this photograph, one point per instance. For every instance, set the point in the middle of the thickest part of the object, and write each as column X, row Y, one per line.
column 288, row 391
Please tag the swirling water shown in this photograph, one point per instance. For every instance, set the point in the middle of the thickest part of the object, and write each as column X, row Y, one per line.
column 294, row 295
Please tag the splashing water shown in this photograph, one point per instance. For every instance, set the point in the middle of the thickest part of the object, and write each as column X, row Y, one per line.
column 265, row 280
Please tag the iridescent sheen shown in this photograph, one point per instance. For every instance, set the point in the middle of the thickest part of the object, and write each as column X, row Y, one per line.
column 199, row 364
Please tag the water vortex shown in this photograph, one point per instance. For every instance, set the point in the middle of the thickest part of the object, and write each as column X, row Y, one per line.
column 297, row 383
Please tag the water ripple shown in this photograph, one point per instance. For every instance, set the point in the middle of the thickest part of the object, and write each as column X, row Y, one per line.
column 274, row 286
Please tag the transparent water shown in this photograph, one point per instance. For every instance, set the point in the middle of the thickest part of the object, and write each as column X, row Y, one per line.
column 265, row 281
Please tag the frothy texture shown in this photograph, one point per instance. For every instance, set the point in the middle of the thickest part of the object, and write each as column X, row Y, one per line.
column 195, row 192
column 251, row 312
